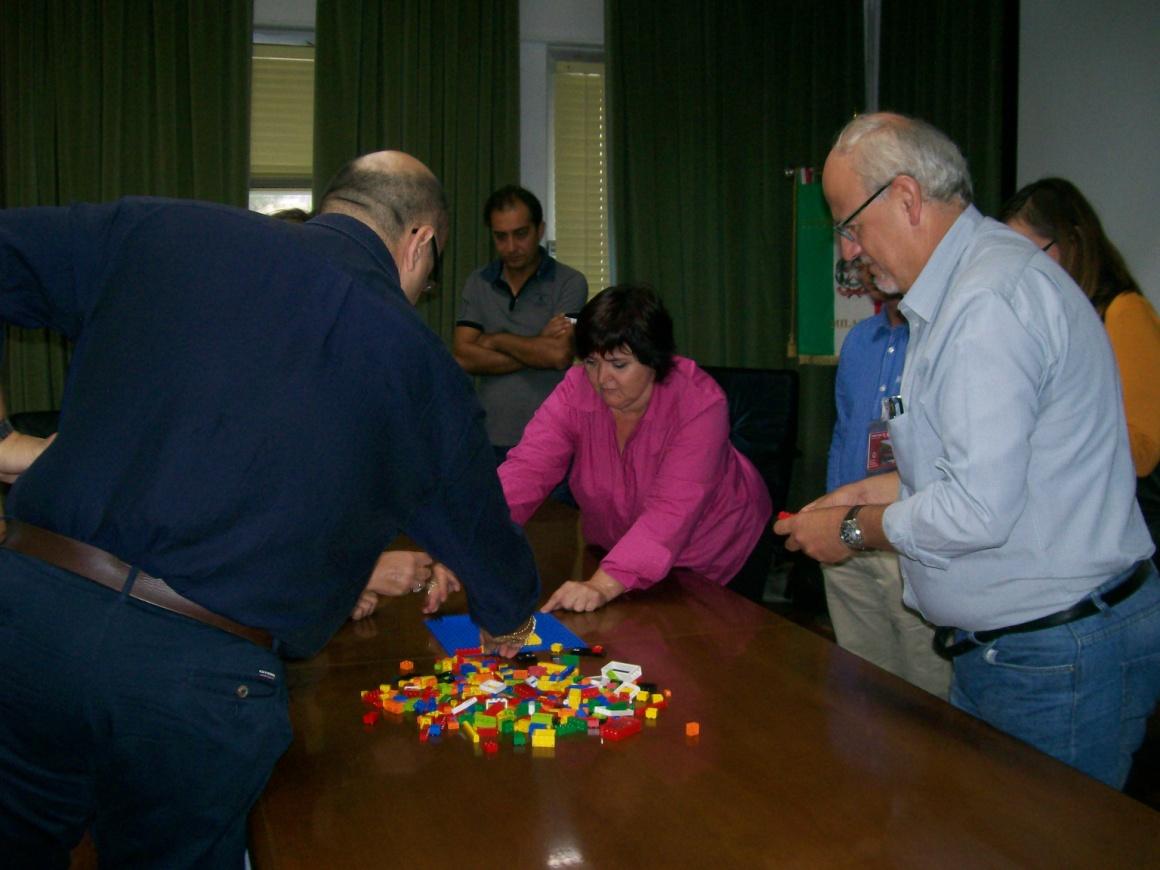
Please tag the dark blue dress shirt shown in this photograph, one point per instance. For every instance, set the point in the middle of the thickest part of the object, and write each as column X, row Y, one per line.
column 869, row 370
column 253, row 412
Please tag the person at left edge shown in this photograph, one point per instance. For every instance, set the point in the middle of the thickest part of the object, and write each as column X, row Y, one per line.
column 253, row 411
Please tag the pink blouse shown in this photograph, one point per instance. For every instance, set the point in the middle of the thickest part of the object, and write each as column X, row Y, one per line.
column 680, row 495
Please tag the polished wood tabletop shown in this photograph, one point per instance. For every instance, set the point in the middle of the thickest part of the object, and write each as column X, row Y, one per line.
column 808, row 757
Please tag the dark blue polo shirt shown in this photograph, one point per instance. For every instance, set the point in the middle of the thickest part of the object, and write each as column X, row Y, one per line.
column 253, row 411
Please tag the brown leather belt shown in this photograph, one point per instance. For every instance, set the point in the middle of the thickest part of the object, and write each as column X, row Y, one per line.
column 95, row 564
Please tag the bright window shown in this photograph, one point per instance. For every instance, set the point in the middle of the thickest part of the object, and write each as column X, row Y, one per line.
column 580, row 178
column 281, row 127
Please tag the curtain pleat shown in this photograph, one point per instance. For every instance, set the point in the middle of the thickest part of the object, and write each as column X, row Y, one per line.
column 709, row 103
column 438, row 79
column 105, row 98
column 955, row 65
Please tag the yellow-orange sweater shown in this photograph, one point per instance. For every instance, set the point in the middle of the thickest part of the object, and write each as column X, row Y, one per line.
column 1134, row 331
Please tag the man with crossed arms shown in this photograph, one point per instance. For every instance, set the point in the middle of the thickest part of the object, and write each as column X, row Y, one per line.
column 514, row 328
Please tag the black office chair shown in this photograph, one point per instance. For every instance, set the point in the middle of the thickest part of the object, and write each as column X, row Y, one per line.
column 763, row 423
column 38, row 423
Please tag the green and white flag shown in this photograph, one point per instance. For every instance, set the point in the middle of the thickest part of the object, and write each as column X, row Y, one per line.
column 825, row 313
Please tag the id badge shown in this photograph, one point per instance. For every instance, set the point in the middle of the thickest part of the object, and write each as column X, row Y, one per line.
column 879, row 450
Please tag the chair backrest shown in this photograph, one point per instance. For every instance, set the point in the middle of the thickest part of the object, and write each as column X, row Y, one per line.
column 763, row 422
column 39, row 423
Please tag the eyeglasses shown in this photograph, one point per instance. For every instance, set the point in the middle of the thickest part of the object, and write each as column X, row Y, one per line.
column 842, row 228
column 1047, row 247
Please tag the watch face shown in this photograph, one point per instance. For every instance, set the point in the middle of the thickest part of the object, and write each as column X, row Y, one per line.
column 850, row 534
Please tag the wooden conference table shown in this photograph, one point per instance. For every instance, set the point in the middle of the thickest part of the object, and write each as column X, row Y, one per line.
column 808, row 757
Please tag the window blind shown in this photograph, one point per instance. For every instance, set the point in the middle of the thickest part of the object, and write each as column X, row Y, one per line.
column 282, row 116
column 581, row 195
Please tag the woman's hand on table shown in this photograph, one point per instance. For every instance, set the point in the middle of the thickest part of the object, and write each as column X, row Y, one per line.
column 585, row 596
column 407, row 572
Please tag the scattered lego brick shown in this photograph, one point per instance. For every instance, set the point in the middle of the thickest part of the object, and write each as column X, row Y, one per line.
column 488, row 701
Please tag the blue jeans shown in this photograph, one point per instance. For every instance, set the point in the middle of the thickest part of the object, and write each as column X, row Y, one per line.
column 1081, row 692
column 154, row 731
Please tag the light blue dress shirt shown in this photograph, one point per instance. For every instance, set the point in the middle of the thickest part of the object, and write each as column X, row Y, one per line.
column 1017, row 489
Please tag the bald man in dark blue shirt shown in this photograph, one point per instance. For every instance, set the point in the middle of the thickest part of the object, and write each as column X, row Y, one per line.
column 253, row 412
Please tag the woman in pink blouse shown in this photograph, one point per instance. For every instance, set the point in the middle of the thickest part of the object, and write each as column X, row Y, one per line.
column 646, row 434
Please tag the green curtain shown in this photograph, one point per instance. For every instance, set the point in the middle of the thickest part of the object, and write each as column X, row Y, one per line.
column 438, row 79
column 709, row 103
column 104, row 98
column 954, row 64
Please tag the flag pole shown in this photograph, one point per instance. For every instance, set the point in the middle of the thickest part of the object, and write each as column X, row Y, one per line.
column 791, row 344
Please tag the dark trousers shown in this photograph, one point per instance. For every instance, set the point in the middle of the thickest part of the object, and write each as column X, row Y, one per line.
column 154, row 731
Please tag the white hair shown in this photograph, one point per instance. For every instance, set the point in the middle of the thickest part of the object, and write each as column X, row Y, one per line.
column 883, row 146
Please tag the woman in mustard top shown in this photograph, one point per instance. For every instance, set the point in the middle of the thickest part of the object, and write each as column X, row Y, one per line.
column 1053, row 214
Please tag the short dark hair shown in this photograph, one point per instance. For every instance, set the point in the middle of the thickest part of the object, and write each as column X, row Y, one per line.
column 632, row 316
column 291, row 215
column 1056, row 210
column 393, row 200
column 507, row 197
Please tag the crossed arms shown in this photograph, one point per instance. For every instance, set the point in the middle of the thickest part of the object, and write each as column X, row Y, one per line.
column 500, row 353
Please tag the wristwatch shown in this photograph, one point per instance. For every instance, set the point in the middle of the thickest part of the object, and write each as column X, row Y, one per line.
column 850, row 532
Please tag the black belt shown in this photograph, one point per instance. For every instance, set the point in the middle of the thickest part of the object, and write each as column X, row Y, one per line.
column 1087, row 607
column 95, row 564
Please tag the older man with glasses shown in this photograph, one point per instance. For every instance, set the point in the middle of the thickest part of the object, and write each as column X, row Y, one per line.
column 1013, row 507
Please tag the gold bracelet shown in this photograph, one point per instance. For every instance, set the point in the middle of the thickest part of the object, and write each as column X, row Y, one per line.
column 520, row 635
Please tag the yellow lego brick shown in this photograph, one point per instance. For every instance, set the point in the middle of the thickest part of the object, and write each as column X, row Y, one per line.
column 470, row 732
column 544, row 738
column 651, row 713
